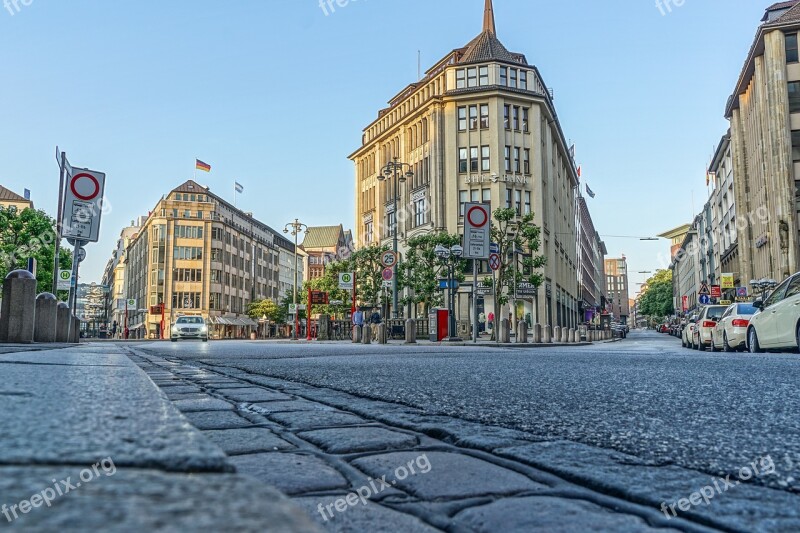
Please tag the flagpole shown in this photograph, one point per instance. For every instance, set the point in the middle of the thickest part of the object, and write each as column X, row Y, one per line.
column 234, row 193
column 195, row 169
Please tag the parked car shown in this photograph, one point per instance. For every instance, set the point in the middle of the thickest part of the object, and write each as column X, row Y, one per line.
column 688, row 331
column 189, row 327
column 706, row 323
column 776, row 323
column 731, row 331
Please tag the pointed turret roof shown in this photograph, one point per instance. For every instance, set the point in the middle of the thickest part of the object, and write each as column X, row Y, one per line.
column 486, row 46
column 488, row 18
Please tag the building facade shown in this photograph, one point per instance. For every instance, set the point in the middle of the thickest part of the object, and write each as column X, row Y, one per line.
column 764, row 114
column 686, row 272
column 196, row 254
column 481, row 126
column 723, row 200
column 591, row 258
column 617, row 286
column 9, row 199
column 323, row 245
column 114, row 278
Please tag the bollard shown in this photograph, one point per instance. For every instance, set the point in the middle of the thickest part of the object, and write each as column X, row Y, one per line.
column 522, row 332
column 571, row 337
column 381, row 333
column 537, row 334
column 76, row 330
column 588, row 335
column 366, row 334
column 505, row 334
column 356, row 334
column 18, row 307
column 556, row 334
column 46, row 315
column 62, row 322
column 546, row 334
column 411, row 331
column 564, row 334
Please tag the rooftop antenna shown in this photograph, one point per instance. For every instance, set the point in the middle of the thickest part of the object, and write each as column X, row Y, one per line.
column 419, row 64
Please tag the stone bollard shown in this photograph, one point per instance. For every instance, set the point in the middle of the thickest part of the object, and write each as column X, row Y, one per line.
column 522, row 332
column 556, row 334
column 381, row 333
column 571, row 337
column 76, row 330
column 564, row 334
column 63, row 322
column 411, row 331
column 588, row 335
column 366, row 334
column 537, row 334
column 547, row 337
column 18, row 308
column 324, row 328
column 356, row 334
column 46, row 315
column 505, row 334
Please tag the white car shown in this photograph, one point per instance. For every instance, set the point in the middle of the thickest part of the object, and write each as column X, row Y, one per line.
column 189, row 327
column 706, row 323
column 776, row 324
column 688, row 332
column 731, row 331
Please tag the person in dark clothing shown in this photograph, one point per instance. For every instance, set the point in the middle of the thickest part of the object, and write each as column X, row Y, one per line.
column 375, row 318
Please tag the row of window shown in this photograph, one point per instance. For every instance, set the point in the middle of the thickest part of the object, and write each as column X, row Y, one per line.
column 479, row 77
column 188, row 252
column 189, row 232
column 187, row 197
column 476, row 117
column 472, row 112
column 187, row 300
column 515, row 118
column 187, row 274
column 517, row 199
column 474, row 159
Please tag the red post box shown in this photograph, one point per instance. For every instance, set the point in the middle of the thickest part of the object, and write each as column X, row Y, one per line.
column 437, row 324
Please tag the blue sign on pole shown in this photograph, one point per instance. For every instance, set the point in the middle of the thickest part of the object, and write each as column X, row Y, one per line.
column 445, row 284
column 494, row 248
column 705, row 299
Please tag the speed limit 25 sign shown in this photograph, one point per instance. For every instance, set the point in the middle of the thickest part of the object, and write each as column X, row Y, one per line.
column 389, row 259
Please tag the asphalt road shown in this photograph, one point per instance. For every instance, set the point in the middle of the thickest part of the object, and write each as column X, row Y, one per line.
column 645, row 396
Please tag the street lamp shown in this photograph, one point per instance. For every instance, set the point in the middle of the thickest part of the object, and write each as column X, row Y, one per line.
column 450, row 258
column 394, row 168
column 763, row 286
column 296, row 228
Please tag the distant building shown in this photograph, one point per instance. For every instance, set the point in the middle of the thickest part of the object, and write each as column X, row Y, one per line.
column 324, row 245
column 114, row 279
column 723, row 199
column 686, row 271
column 676, row 237
column 617, row 286
column 9, row 199
column 591, row 258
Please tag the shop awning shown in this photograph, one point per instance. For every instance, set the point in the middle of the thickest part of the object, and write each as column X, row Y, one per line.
column 234, row 321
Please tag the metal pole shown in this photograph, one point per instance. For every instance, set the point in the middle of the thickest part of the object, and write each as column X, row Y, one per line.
column 73, row 288
column 475, row 300
column 57, row 254
column 394, row 243
column 294, row 295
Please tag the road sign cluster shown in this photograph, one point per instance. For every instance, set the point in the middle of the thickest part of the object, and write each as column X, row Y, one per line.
column 477, row 231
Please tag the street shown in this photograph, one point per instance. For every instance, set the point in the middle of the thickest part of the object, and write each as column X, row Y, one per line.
column 630, row 425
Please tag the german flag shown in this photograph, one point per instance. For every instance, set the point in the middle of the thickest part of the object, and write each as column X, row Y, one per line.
column 199, row 165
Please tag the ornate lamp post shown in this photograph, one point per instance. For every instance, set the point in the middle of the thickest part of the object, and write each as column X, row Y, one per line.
column 394, row 169
column 296, row 228
column 450, row 257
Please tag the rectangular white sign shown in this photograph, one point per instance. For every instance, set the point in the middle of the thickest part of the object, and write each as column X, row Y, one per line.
column 83, row 203
column 346, row 281
column 64, row 279
column 477, row 230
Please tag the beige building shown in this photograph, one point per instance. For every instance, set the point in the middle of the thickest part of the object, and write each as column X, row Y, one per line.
column 617, row 286
column 10, row 199
column 480, row 126
column 199, row 255
column 764, row 113
column 114, row 279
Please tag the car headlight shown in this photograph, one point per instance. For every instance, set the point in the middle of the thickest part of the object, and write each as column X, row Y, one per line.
column 203, row 328
column 175, row 329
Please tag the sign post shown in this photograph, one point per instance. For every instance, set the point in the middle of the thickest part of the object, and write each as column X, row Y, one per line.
column 477, row 240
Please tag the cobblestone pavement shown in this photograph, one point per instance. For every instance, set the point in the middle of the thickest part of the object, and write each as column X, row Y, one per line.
column 356, row 462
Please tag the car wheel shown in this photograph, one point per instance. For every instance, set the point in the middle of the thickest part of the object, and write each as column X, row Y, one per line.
column 713, row 346
column 695, row 345
column 752, row 341
column 174, row 340
column 725, row 346
column 205, row 339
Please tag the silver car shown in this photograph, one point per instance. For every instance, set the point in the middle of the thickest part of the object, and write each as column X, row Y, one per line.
column 731, row 331
column 189, row 327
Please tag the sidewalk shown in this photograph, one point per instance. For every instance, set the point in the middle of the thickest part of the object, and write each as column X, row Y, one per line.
column 90, row 443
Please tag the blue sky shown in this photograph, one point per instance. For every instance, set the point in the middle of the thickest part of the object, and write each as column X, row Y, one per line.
column 275, row 94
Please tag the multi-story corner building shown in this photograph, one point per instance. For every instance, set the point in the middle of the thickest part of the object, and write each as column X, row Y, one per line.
column 114, row 279
column 686, row 271
column 617, row 286
column 726, row 242
column 676, row 237
column 480, row 126
column 197, row 254
column 591, row 258
column 9, row 198
column 324, row 245
column 764, row 114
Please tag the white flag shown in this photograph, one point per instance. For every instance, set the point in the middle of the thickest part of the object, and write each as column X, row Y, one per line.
column 239, row 187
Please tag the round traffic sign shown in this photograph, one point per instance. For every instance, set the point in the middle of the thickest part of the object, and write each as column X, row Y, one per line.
column 81, row 254
column 477, row 216
column 388, row 274
column 494, row 261
column 84, row 186
column 389, row 259
column 346, row 278
column 65, row 275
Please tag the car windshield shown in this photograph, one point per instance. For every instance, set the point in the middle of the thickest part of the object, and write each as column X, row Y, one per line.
column 745, row 309
column 190, row 320
column 715, row 312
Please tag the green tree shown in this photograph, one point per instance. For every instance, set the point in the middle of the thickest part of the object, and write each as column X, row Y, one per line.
column 514, row 235
column 421, row 269
column 657, row 301
column 288, row 299
column 267, row 308
column 329, row 283
column 30, row 233
column 366, row 263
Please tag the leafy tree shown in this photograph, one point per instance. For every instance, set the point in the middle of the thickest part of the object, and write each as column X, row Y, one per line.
column 657, row 302
column 329, row 282
column 30, row 233
column 289, row 299
column 366, row 263
column 268, row 308
column 421, row 269
column 513, row 233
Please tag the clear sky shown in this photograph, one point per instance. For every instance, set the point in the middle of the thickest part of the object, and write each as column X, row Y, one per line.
column 275, row 94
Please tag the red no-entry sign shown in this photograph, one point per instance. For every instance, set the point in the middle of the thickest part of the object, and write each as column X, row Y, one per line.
column 84, row 186
column 477, row 231
column 83, row 205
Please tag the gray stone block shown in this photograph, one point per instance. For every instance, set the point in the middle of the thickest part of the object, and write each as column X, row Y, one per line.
column 366, row 334
column 290, row 472
column 411, row 331
column 247, row 440
column 304, row 420
column 356, row 334
column 18, row 308
column 556, row 334
column 537, row 333
column 353, row 440
column 46, row 318
column 546, row 335
column 217, row 420
column 522, row 332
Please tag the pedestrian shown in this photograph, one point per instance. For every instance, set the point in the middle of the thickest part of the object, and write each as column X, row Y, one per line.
column 490, row 319
column 375, row 318
column 482, row 322
column 358, row 318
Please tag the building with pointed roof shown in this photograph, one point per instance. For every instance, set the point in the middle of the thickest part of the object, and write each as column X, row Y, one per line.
column 480, row 126
column 9, row 198
column 324, row 245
